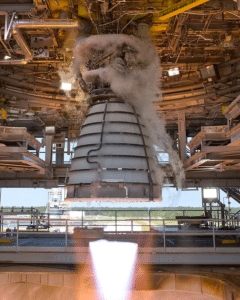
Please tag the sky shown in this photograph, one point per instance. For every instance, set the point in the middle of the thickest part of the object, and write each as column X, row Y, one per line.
column 171, row 198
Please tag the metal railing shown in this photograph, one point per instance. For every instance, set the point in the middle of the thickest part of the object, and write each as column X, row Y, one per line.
column 163, row 235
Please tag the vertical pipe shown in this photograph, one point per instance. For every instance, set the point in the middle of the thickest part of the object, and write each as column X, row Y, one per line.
column 82, row 219
column 182, row 135
column 0, row 207
column 164, row 236
column 100, row 144
column 17, row 235
column 149, row 218
column 48, row 154
column 223, row 214
column 116, row 220
column 66, row 235
column 68, row 146
column 214, row 241
column 59, row 156
column 4, row 45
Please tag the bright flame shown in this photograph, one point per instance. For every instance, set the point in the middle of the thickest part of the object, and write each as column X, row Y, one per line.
column 66, row 86
column 113, row 264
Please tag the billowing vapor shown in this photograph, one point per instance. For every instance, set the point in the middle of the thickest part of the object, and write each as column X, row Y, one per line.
column 131, row 68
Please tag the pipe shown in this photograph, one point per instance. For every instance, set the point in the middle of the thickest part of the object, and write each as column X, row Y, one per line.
column 204, row 90
column 28, row 85
column 22, row 42
column 24, row 61
column 229, row 62
column 49, row 61
column 4, row 45
column 126, row 189
column 190, row 93
column 82, row 83
column 13, row 62
column 204, row 96
column 36, row 24
column 181, row 89
column 185, row 95
column 33, row 97
column 43, row 96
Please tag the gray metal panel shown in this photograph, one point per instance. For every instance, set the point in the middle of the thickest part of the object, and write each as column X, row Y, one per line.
column 21, row 7
column 112, row 127
column 109, row 176
column 111, row 117
column 57, row 255
column 87, row 176
column 120, row 162
column 114, row 106
column 113, row 149
column 112, row 138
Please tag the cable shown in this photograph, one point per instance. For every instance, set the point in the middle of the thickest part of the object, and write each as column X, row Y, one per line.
column 128, row 23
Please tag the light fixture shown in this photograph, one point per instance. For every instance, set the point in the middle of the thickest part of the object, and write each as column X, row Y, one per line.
column 173, row 72
column 7, row 57
column 66, row 86
column 50, row 130
column 210, row 194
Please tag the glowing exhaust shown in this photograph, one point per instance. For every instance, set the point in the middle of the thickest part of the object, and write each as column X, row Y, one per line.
column 113, row 264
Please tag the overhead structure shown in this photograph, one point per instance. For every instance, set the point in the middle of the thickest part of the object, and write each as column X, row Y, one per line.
column 199, row 40
column 19, row 159
column 178, row 8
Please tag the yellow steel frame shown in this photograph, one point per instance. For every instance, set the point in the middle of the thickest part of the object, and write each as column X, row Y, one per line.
column 179, row 8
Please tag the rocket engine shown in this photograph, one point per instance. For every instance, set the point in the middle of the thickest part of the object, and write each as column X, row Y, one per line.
column 114, row 157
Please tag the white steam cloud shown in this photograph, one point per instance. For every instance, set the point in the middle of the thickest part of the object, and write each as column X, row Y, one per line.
column 131, row 67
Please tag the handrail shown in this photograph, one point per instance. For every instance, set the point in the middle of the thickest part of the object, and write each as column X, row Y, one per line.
column 213, row 232
column 233, row 215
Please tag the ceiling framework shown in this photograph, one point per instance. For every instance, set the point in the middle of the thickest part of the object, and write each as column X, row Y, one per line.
column 36, row 45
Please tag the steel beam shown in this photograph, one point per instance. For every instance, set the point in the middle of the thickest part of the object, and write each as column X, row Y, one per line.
column 29, row 183
column 197, row 179
column 10, row 150
column 153, row 256
column 221, row 149
column 48, row 154
column 16, row 7
column 179, row 8
column 182, row 135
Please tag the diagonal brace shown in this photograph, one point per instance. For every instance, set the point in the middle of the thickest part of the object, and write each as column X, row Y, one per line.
column 8, row 24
